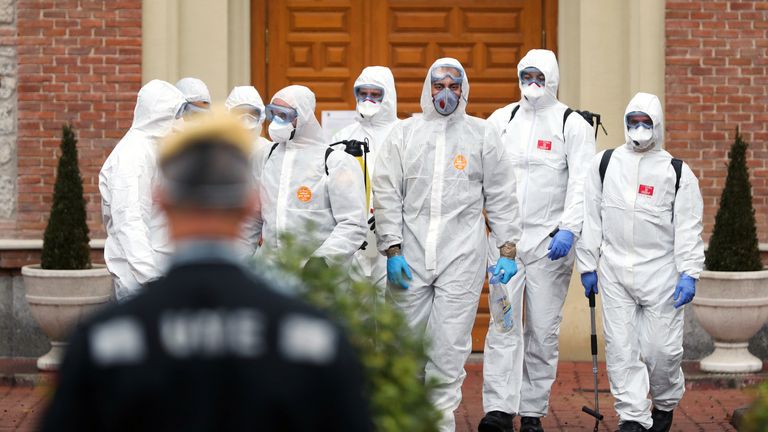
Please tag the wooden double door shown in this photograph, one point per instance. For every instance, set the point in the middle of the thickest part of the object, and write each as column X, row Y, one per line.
column 324, row 44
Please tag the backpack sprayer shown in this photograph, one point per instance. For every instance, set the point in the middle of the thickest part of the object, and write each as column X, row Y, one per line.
column 359, row 150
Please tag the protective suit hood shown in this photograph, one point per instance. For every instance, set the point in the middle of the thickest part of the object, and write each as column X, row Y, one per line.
column 380, row 76
column 300, row 98
column 156, row 107
column 546, row 62
column 428, row 108
column 245, row 95
column 649, row 104
column 194, row 90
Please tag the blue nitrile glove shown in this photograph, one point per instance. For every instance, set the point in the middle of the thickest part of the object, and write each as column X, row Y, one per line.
column 685, row 290
column 396, row 266
column 560, row 245
column 509, row 268
column 589, row 280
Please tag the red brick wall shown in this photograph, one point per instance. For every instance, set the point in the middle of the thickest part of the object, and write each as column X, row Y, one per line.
column 717, row 79
column 79, row 61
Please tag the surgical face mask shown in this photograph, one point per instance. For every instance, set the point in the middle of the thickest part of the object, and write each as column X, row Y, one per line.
column 281, row 132
column 446, row 101
column 642, row 138
column 533, row 92
column 368, row 108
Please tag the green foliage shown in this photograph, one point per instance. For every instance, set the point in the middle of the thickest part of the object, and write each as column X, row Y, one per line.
column 756, row 419
column 392, row 355
column 733, row 245
column 65, row 243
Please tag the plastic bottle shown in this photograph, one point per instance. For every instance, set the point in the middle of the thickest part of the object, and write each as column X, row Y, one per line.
column 501, row 308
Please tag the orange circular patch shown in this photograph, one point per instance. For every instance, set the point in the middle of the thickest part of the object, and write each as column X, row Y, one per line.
column 304, row 194
column 460, row 162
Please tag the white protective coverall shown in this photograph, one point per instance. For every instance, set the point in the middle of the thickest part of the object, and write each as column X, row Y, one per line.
column 243, row 96
column 434, row 175
column 519, row 369
column 323, row 211
column 137, row 239
column 640, row 237
column 375, row 128
column 194, row 90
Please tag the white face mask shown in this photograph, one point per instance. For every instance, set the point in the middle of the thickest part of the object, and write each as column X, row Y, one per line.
column 642, row 139
column 280, row 132
column 368, row 108
column 533, row 92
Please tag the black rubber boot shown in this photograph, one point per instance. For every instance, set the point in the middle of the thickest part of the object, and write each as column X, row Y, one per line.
column 662, row 420
column 497, row 421
column 631, row 426
column 530, row 424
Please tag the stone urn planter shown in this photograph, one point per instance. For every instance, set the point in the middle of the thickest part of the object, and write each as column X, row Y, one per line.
column 59, row 299
column 732, row 307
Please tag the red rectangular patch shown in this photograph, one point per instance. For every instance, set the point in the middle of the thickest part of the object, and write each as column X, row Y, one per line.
column 544, row 145
column 645, row 190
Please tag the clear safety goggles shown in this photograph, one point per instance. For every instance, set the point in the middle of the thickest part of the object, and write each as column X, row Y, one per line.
column 638, row 119
column 189, row 109
column 532, row 75
column 248, row 110
column 440, row 72
column 369, row 92
column 281, row 114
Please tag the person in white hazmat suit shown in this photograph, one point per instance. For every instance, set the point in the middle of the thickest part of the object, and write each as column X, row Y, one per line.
column 316, row 195
column 551, row 153
column 137, row 242
column 642, row 240
column 246, row 103
column 377, row 113
column 434, row 175
column 196, row 93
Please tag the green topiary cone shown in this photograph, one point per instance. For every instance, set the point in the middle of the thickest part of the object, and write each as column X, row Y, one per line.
column 65, row 244
column 733, row 245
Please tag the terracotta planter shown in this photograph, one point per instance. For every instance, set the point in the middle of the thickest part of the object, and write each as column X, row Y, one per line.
column 732, row 307
column 59, row 299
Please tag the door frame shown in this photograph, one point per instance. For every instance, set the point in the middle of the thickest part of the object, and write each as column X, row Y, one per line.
column 260, row 36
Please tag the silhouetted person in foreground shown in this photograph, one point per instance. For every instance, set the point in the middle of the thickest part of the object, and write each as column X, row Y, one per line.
column 209, row 346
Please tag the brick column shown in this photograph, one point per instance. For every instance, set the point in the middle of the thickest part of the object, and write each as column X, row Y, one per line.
column 79, row 61
column 717, row 79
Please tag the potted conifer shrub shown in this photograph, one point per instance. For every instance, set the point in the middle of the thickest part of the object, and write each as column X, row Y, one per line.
column 65, row 286
column 732, row 300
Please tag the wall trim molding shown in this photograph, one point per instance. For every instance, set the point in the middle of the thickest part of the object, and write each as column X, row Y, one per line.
column 37, row 244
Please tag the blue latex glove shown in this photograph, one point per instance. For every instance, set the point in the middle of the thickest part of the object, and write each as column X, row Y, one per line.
column 685, row 290
column 506, row 267
column 589, row 280
column 560, row 245
column 396, row 266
